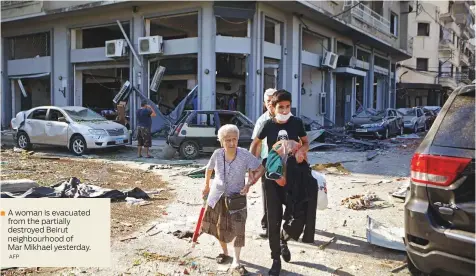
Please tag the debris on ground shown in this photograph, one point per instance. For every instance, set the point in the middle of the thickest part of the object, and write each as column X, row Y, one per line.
column 402, row 191
column 17, row 185
column 359, row 202
column 384, row 236
column 409, row 136
column 331, row 167
column 183, row 234
column 151, row 256
column 317, row 145
column 73, row 188
column 371, row 155
column 324, row 245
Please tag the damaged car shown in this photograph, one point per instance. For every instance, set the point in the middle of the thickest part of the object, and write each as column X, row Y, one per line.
column 414, row 119
column 77, row 128
column 380, row 124
column 197, row 131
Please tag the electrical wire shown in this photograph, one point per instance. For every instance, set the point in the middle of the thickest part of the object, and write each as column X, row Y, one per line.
column 231, row 22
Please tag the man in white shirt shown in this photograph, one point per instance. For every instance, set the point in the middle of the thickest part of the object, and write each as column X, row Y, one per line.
column 263, row 152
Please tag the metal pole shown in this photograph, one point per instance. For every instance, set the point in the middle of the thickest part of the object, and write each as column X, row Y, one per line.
column 128, row 42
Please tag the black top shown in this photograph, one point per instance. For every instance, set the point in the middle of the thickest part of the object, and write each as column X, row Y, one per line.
column 293, row 129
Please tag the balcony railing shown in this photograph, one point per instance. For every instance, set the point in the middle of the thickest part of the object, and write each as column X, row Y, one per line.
column 367, row 15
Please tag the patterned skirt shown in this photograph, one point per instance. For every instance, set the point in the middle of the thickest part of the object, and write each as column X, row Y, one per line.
column 219, row 223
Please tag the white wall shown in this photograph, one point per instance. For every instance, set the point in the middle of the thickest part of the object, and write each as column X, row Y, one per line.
column 312, row 79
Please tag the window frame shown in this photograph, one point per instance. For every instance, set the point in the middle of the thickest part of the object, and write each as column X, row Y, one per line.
column 421, row 59
column 427, row 32
column 30, row 116
column 395, row 24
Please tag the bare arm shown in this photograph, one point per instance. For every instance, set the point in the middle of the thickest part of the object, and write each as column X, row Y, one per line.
column 208, row 176
column 255, row 147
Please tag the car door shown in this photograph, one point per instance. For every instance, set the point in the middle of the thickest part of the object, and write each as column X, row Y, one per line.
column 56, row 132
column 202, row 128
column 35, row 126
column 421, row 118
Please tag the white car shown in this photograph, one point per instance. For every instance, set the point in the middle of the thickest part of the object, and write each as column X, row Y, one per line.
column 77, row 128
column 414, row 119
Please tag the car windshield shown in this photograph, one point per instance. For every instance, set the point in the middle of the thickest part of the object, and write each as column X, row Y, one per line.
column 407, row 111
column 369, row 112
column 79, row 114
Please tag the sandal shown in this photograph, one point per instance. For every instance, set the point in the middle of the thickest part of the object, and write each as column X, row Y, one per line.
column 240, row 270
column 222, row 258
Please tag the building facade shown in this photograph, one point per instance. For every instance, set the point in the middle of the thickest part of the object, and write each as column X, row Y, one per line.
column 54, row 53
column 443, row 53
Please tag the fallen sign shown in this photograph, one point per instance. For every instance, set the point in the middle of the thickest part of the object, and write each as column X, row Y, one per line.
column 383, row 236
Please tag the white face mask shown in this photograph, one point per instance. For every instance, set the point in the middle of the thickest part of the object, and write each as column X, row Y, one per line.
column 283, row 117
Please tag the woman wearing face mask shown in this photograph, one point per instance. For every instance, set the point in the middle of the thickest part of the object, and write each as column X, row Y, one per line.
column 221, row 219
column 289, row 129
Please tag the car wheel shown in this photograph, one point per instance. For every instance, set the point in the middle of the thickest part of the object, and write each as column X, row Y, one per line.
column 189, row 150
column 386, row 134
column 402, row 130
column 415, row 128
column 23, row 141
column 78, row 145
column 426, row 127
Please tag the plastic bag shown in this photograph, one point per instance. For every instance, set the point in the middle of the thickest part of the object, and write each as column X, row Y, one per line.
column 322, row 190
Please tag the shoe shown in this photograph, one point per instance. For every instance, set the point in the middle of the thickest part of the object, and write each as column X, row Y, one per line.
column 275, row 268
column 264, row 233
column 285, row 253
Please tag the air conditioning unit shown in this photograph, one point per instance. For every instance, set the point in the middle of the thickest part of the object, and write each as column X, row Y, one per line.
column 151, row 45
column 116, row 48
column 158, row 75
column 329, row 60
column 123, row 93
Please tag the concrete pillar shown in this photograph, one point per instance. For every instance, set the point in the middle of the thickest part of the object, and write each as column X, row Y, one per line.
column 6, row 95
column 254, row 107
column 61, row 65
column 293, row 61
column 207, row 59
column 138, row 71
column 370, row 86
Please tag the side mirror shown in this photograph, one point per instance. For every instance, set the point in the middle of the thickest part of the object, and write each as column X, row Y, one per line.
column 63, row 120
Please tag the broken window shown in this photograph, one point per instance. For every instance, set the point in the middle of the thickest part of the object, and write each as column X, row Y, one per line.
column 394, row 24
column 231, row 81
column 422, row 64
column 39, row 114
column 100, row 86
column 314, row 43
column 236, row 27
column 344, row 49
column 30, row 46
column 96, row 37
column 31, row 92
column 363, row 55
column 423, row 29
column 272, row 31
column 180, row 77
column 175, row 26
column 381, row 62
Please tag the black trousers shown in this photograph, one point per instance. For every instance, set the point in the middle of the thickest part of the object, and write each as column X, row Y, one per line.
column 275, row 199
column 264, row 220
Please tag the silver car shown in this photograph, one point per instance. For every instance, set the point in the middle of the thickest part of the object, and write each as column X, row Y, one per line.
column 77, row 128
column 414, row 118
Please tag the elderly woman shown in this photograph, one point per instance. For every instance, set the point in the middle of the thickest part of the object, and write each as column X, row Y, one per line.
column 225, row 219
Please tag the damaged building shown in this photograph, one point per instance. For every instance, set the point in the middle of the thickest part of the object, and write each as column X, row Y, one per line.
column 336, row 57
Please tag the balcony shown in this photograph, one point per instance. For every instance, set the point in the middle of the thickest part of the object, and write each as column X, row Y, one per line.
column 463, row 77
column 464, row 59
column 447, row 17
column 447, row 79
column 368, row 16
column 446, row 45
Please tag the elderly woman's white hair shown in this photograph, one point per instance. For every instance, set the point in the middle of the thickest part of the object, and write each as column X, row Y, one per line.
column 227, row 129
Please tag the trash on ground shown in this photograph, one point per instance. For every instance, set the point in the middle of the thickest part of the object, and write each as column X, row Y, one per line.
column 324, row 245
column 183, row 234
column 359, row 202
column 371, row 155
column 72, row 188
column 322, row 200
column 408, row 136
column 331, row 167
column 385, row 236
column 150, row 256
column 128, row 238
column 17, row 185
column 402, row 191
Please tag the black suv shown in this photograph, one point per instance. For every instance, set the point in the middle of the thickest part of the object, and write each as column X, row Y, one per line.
column 440, row 205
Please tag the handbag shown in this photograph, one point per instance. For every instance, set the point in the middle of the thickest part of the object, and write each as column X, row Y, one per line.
column 233, row 202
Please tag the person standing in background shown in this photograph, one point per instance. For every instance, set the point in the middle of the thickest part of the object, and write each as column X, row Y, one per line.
column 144, row 125
column 263, row 152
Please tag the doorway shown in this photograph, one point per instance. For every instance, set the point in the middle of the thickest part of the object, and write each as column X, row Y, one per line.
column 343, row 99
column 30, row 92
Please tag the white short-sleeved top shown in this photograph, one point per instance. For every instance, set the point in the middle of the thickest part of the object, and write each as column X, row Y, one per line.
column 235, row 173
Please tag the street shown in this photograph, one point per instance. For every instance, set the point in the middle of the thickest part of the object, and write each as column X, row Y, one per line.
column 142, row 235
